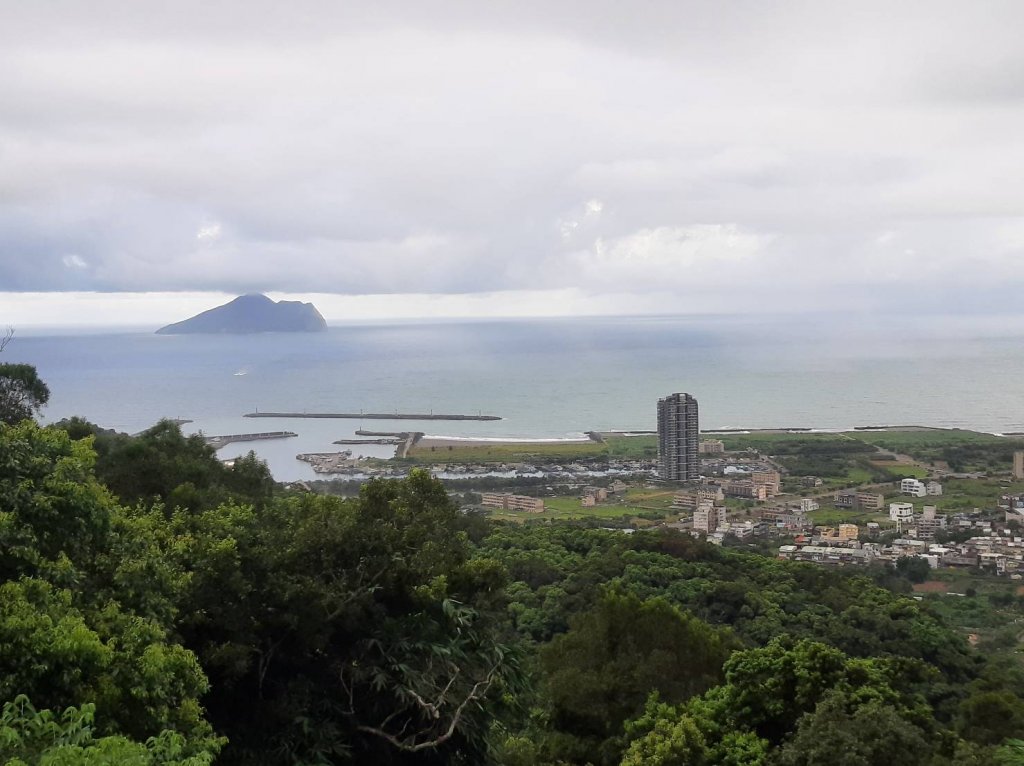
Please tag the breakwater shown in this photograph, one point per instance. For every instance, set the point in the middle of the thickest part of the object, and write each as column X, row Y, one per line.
column 370, row 416
column 222, row 441
column 392, row 441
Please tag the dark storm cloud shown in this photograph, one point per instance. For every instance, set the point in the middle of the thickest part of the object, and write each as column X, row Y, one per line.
column 465, row 146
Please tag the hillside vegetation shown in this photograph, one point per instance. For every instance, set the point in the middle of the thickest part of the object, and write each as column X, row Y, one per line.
column 157, row 607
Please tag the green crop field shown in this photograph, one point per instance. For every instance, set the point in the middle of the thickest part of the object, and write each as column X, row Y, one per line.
column 962, row 451
column 646, row 496
column 902, row 470
column 632, row 447
column 900, row 441
column 571, row 508
column 769, row 442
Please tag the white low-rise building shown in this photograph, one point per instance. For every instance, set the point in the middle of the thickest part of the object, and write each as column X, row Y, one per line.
column 901, row 513
column 933, row 488
column 808, row 504
column 913, row 487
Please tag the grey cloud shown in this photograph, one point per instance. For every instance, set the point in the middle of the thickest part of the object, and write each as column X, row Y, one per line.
column 454, row 147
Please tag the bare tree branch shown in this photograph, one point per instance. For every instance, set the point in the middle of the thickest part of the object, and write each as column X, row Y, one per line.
column 409, row 745
column 8, row 335
column 264, row 662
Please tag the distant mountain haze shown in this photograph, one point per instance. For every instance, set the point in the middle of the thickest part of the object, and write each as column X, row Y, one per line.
column 250, row 314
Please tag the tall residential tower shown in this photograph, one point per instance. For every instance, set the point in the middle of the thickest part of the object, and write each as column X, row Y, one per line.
column 678, row 438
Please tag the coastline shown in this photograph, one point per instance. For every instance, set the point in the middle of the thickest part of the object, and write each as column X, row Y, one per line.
column 431, row 440
column 445, row 441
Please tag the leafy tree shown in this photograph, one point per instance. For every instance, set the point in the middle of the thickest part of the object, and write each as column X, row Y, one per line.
column 343, row 629
column 599, row 674
column 685, row 735
column 52, row 511
column 22, row 393
column 914, row 568
column 162, row 464
column 65, row 637
column 1011, row 753
column 847, row 732
column 769, row 694
column 44, row 738
column 989, row 717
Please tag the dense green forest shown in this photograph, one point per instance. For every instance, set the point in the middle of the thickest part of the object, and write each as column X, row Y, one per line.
column 158, row 607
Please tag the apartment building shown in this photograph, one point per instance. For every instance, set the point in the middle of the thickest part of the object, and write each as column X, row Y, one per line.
column 510, row 502
column 678, row 438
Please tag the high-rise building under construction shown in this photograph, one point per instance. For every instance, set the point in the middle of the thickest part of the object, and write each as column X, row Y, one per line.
column 678, row 438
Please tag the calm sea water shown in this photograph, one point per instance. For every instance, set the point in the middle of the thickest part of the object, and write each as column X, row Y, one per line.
column 550, row 378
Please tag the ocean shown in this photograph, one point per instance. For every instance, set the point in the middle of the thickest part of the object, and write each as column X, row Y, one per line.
column 549, row 378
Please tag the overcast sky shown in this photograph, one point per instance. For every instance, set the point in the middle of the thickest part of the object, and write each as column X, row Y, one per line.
column 536, row 156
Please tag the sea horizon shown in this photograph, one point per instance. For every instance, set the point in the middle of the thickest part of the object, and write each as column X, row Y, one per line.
column 552, row 378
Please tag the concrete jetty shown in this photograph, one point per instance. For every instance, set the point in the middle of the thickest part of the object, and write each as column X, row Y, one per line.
column 392, row 441
column 222, row 441
column 370, row 416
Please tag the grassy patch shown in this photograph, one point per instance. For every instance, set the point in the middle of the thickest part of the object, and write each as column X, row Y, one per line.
column 644, row 496
column 775, row 443
column 902, row 470
column 833, row 516
column 570, row 508
column 962, row 450
column 967, row 494
column 904, row 441
column 632, row 447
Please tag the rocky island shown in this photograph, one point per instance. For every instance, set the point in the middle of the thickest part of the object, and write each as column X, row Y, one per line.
column 251, row 314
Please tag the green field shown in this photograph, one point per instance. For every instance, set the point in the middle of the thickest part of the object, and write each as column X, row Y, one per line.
column 903, row 470
column 769, row 442
column 650, row 497
column 571, row 508
column 962, row 451
column 632, row 447
column 904, row 441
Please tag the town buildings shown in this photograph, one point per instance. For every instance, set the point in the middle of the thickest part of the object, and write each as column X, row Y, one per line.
column 902, row 514
column 929, row 522
column 745, row 489
column 708, row 517
column 711, row 447
column 691, row 498
column 510, row 502
column 678, row 438
column 771, row 480
column 854, row 499
column 913, row 487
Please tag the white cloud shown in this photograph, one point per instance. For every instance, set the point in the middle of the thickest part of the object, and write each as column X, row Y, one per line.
column 482, row 148
column 666, row 256
column 209, row 233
